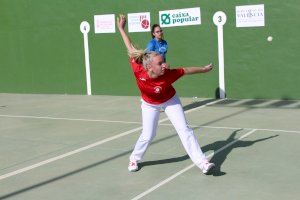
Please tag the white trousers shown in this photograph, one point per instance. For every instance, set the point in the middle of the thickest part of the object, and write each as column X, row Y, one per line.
column 174, row 111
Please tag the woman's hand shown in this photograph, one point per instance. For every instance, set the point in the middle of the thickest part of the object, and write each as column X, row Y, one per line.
column 121, row 21
column 207, row 68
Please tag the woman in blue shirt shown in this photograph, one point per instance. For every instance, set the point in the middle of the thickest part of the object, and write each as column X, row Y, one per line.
column 158, row 44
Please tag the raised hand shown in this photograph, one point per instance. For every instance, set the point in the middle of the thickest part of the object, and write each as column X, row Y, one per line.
column 121, row 21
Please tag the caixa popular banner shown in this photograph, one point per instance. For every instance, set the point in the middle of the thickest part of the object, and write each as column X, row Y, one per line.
column 180, row 17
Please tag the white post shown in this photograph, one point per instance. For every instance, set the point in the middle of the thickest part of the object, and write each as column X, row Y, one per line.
column 219, row 19
column 85, row 28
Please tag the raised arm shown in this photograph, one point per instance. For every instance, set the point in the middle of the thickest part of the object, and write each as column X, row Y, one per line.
column 196, row 70
column 121, row 22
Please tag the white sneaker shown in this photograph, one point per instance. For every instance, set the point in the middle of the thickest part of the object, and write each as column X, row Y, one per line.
column 133, row 166
column 206, row 166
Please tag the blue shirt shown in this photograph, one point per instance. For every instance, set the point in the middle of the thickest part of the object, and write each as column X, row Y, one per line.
column 160, row 47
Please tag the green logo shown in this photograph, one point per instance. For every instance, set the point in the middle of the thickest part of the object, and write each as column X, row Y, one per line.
column 165, row 19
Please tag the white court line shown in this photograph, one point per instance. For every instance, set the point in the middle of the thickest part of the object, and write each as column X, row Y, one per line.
column 258, row 129
column 188, row 168
column 68, row 119
column 94, row 120
column 235, row 128
column 19, row 171
column 68, row 154
column 129, row 122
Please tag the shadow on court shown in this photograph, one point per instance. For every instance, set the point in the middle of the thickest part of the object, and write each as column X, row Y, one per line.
column 74, row 172
column 260, row 103
column 163, row 161
column 218, row 159
column 197, row 104
column 221, row 156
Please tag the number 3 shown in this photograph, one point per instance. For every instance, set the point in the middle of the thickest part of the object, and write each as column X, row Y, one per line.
column 220, row 18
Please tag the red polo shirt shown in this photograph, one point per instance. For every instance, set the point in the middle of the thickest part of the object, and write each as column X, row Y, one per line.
column 155, row 90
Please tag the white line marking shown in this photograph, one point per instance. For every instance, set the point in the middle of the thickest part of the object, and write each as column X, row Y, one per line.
column 258, row 129
column 86, row 147
column 68, row 154
column 95, row 120
column 235, row 128
column 188, row 168
column 129, row 122
column 68, row 119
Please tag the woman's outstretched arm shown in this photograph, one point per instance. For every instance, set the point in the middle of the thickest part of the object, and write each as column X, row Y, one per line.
column 196, row 70
column 121, row 22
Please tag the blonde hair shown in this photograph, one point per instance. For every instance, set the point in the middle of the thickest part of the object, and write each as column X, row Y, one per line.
column 142, row 56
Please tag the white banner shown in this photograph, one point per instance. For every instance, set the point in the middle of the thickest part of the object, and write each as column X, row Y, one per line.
column 139, row 22
column 104, row 23
column 250, row 15
column 180, row 17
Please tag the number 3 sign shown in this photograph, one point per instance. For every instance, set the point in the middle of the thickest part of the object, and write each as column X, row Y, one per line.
column 219, row 18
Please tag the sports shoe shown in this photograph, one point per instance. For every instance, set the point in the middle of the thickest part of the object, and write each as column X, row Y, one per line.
column 206, row 166
column 133, row 166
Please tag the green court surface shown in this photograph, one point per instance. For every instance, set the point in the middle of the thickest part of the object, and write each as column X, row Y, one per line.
column 77, row 147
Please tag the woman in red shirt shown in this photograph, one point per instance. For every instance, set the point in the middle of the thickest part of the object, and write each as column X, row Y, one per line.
column 154, row 80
